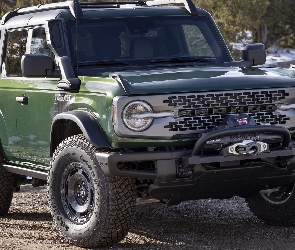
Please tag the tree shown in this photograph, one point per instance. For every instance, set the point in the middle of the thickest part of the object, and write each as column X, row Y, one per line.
column 281, row 22
column 236, row 16
column 5, row 6
column 271, row 21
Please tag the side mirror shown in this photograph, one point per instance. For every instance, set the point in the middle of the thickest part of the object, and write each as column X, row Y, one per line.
column 254, row 54
column 34, row 65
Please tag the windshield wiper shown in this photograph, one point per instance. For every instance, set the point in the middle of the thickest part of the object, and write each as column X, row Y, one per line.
column 104, row 63
column 184, row 60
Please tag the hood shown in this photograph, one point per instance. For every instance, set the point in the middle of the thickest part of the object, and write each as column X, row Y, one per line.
column 196, row 79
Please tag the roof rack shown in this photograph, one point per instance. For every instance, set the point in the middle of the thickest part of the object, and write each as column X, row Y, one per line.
column 114, row 4
column 76, row 7
column 189, row 5
column 73, row 5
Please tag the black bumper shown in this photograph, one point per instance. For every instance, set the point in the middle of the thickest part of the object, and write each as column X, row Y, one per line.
column 233, row 178
column 110, row 161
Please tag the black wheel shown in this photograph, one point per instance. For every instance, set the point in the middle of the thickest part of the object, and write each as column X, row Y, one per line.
column 90, row 208
column 6, row 190
column 275, row 206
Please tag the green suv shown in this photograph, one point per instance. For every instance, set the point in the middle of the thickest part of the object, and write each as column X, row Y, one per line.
column 119, row 103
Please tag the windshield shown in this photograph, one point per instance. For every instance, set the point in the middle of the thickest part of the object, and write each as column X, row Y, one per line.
column 145, row 40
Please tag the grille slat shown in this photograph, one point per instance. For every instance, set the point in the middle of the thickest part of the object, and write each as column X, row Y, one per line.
column 206, row 111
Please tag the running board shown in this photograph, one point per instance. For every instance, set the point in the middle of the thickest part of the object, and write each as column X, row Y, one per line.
column 27, row 172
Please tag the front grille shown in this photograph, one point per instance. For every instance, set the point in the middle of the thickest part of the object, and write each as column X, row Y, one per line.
column 206, row 111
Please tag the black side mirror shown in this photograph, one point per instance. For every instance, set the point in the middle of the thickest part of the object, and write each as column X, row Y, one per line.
column 254, row 54
column 34, row 65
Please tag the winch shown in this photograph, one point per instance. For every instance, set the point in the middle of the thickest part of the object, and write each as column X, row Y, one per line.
column 248, row 147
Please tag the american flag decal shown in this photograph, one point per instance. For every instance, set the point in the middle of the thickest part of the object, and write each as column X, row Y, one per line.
column 242, row 121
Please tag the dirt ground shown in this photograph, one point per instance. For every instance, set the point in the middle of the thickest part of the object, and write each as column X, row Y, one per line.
column 204, row 224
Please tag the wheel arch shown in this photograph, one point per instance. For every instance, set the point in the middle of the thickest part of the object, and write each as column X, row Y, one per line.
column 76, row 122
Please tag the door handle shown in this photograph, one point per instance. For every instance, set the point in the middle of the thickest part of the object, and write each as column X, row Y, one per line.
column 24, row 100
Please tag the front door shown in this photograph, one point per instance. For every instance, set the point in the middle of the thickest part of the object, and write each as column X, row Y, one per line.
column 26, row 104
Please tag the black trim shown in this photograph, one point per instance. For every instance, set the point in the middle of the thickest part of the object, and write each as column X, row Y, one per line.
column 123, row 82
column 192, row 160
column 68, row 81
column 223, row 184
column 188, row 158
column 241, row 180
column 109, row 162
column 88, row 125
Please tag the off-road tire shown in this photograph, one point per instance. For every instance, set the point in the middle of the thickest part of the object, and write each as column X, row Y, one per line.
column 105, row 204
column 6, row 190
column 277, row 208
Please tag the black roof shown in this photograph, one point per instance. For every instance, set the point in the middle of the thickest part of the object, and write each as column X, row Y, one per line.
column 76, row 8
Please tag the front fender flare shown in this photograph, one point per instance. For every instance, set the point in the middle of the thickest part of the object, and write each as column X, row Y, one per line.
column 87, row 124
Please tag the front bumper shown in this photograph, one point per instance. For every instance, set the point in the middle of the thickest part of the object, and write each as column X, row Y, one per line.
column 236, row 174
column 165, row 161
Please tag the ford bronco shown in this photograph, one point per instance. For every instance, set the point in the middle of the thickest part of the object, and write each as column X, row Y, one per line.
column 118, row 103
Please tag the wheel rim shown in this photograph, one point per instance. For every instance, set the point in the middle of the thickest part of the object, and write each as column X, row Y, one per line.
column 77, row 193
column 278, row 195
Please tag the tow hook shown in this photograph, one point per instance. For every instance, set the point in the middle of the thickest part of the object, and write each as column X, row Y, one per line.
column 248, row 147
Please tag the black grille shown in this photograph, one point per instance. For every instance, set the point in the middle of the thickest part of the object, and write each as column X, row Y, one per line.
column 206, row 111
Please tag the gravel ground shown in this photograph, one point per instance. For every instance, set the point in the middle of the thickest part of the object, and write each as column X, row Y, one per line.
column 204, row 224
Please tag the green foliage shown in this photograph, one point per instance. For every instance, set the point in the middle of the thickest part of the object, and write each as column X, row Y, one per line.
column 281, row 22
column 5, row 6
column 235, row 16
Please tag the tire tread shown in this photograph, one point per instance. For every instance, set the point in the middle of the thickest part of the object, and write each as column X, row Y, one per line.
column 121, row 192
column 6, row 191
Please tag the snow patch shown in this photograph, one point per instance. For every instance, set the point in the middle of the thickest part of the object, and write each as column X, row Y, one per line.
column 278, row 56
column 275, row 56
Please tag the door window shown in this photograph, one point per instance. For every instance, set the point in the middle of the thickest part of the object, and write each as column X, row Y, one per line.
column 38, row 42
column 16, row 48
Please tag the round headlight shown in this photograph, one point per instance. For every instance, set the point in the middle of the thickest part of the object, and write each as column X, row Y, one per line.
column 135, row 116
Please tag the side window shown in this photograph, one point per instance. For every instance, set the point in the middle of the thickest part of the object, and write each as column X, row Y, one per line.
column 38, row 42
column 196, row 42
column 16, row 48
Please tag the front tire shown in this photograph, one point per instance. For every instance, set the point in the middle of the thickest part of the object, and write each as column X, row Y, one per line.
column 276, row 206
column 6, row 190
column 88, row 207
